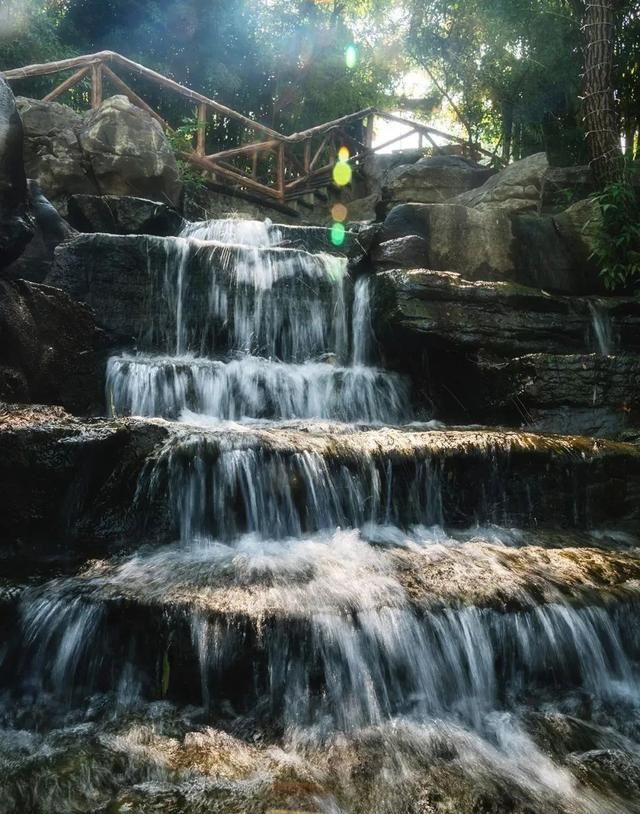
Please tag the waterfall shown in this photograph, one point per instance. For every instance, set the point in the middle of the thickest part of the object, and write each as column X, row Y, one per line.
column 362, row 328
column 324, row 617
column 245, row 329
column 602, row 329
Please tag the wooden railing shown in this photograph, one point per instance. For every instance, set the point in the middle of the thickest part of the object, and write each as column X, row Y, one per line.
column 266, row 162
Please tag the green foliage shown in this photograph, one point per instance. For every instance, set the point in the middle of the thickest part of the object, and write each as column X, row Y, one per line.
column 617, row 249
column 29, row 33
column 182, row 141
column 509, row 68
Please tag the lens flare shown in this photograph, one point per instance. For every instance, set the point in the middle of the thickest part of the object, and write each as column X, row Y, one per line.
column 351, row 56
column 343, row 154
column 339, row 212
column 338, row 233
column 341, row 174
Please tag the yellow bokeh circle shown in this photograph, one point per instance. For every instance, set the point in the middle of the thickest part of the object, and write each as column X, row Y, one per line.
column 342, row 174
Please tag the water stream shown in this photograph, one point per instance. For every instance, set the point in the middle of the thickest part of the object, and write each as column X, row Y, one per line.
column 315, row 639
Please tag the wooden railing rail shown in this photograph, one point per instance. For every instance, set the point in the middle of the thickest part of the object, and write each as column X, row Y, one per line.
column 270, row 163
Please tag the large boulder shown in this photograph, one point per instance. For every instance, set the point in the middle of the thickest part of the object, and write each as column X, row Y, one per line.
column 123, row 215
column 16, row 228
column 433, row 179
column 456, row 238
column 50, row 349
column 129, row 153
column 517, row 188
column 485, row 243
column 117, row 149
column 52, row 151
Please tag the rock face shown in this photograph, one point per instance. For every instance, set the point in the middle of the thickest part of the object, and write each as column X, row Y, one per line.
column 50, row 230
column 587, row 393
column 50, row 350
column 117, row 149
column 476, row 243
column 491, row 243
column 52, row 152
column 123, row 215
column 517, row 188
column 495, row 351
column 434, row 179
column 496, row 231
column 16, row 228
column 69, row 484
column 128, row 152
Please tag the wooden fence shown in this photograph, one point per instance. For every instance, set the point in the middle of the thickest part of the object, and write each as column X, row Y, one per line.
column 266, row 162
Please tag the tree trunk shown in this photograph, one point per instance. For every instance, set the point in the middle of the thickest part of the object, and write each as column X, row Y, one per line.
column 507, row 130
column 599, row 115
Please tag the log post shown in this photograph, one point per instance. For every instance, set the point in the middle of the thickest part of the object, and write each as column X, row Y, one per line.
column 307, row 156
column 369, row 132
column 96, row 85
column 280, row 173
column 201, row 132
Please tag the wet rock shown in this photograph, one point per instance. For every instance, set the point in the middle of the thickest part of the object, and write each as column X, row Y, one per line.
column 16, row 227
column 52, row 152
column 110, row 274
column 68, row 485
column 409, row 252
column 517, row 188
column 124, row 279
column 499, row 352
column 75, row 481
column 128, row 152
column 492, row 316
column 50, row 350
column 595, row 394
column 51, row 229
column 123, row 215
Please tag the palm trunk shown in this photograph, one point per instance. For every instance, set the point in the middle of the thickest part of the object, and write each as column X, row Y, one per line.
column 599, row 115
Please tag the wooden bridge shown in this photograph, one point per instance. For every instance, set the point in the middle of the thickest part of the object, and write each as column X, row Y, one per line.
column 265, row 162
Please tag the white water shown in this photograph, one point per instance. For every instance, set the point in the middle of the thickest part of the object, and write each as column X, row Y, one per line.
column 313, row 621
column 602, row 329
column 249, row 330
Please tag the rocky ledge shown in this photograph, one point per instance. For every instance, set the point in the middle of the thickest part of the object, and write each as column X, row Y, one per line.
column 498, row 352
column 72, row 484
column 50, row 348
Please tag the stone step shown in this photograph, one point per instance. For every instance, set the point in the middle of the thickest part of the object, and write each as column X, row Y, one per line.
column 92, row 485
column 587, row 393
column 253, row 387
column 288, row 634
column 500, row 353
column 146, row 289
column 422, row 306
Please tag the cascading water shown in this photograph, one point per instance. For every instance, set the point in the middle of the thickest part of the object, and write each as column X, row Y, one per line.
column 315, row 640
column 250, row 330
